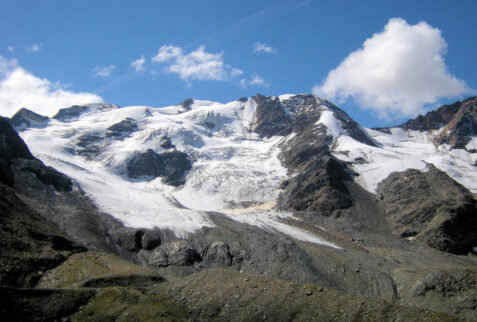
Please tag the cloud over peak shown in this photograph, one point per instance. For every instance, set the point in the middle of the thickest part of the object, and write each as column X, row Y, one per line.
column 19, row 88
column 198, row 64
column 396, row 72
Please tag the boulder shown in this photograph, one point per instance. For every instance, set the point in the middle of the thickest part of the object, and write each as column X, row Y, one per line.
column 179, row 252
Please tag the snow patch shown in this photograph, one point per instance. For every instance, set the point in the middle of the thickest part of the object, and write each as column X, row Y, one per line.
column 333, row 127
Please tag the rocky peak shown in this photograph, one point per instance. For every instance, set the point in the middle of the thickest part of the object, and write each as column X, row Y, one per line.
column 270, row 117
column 459, row 121
column 433, row 120
column 462, row 127
column 299, row 112
column 73, row 112
column 186, row 105
column 26, row 118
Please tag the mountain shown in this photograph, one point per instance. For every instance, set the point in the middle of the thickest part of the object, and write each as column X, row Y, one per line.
column 289, row 187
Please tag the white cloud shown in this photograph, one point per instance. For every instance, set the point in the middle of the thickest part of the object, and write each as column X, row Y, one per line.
column 262, row 48
column 11, row 49
column 255, row 81
column 138, row 64
column 33, row 48
column 396, row 72
column 19, row 88
column 166, row 53
column 198, row 64
column 103, row 72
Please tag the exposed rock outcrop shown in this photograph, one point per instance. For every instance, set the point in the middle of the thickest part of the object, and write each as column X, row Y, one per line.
column 122, row 129
column 270, row 118
column 25, row 118
column 73, row 112
column 30, row 245
column 458, row 120
column 430, row 208
column 11, row 147
column 171, row 166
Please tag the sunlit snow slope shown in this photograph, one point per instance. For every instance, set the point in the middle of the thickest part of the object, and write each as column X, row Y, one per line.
column 404, row 149
column 232, row 167
column 234, row 171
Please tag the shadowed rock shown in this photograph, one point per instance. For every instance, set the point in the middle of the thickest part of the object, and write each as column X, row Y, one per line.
column 171, row 166
column 11, row 147
column 431, row 208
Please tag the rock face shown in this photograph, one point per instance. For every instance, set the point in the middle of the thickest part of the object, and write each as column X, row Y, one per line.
column 270, row 118
column 47, row 175
column 29, row 244
column 70, row 113
column 73, row 112
column 319, row 184
column 433, row 120
column 122, row 129
column 25, row 118
column 463, row 126
column 172, row 166
column 431, row 208
column 459, row 121
column 186, row 104
column 11, row 147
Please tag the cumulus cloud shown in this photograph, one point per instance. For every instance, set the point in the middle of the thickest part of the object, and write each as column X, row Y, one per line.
column 256, row 80
column 11, row 49
column 138, row 64
column 396, row 72
column 261, row 48
column 19, row 88
column 33, row 48
column 198, row 64
column 103, row 72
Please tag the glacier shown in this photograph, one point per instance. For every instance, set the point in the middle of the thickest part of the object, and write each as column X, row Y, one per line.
column 235, row 172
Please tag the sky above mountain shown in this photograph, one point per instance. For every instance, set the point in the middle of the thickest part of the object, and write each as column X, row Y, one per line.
column 381, row 61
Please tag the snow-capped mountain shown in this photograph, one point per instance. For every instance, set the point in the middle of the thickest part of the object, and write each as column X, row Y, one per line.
column 167, row 167
column 287, row 186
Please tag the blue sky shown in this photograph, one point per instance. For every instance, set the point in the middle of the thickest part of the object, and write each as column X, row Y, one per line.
column 159, row 53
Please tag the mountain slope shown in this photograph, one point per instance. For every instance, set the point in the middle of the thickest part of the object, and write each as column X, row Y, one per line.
column 279, row 186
